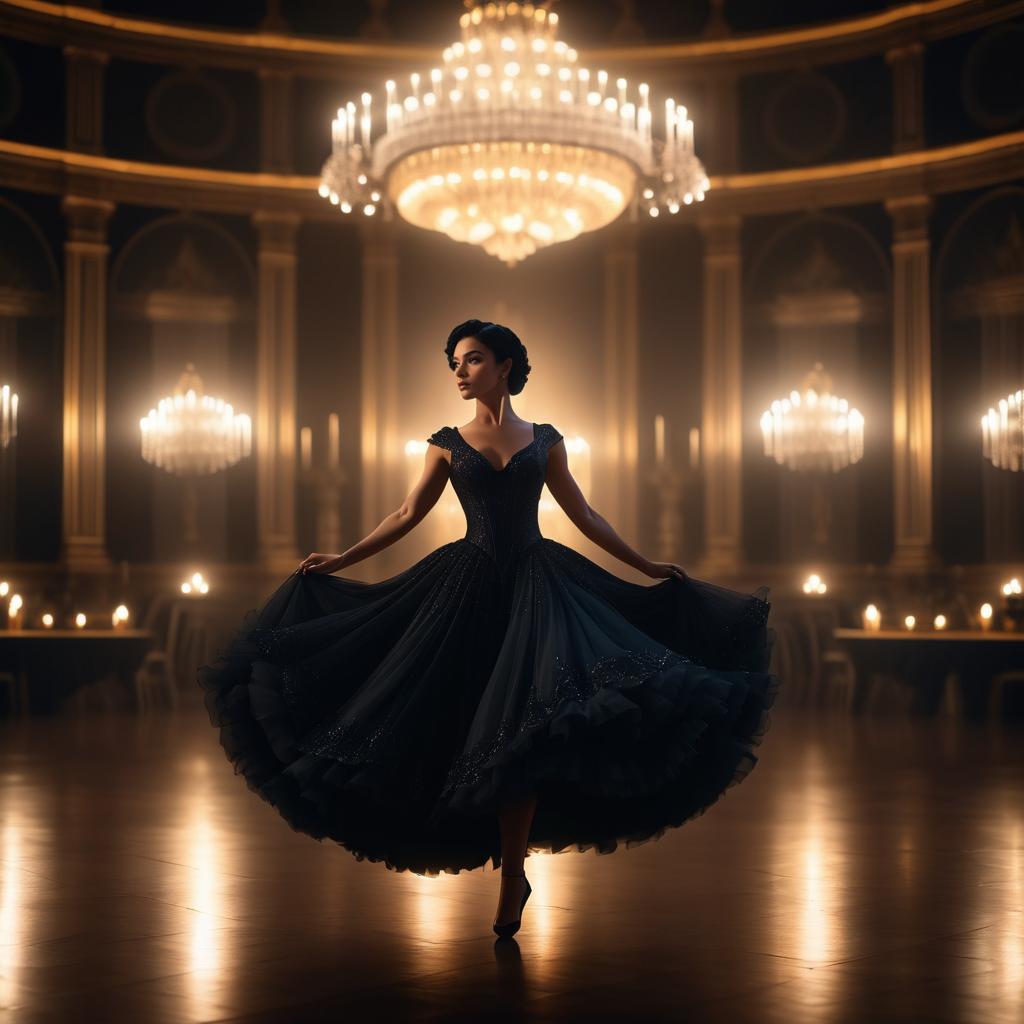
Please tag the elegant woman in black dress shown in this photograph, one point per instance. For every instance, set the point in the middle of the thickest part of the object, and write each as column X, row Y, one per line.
column 505, row 692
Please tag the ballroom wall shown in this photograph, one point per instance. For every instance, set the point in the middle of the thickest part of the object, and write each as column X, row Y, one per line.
column 867, row 197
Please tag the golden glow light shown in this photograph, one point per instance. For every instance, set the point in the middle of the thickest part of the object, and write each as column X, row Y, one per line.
column 813, row 430
column 1011, row 587
column 1002, row 433
column 509, row 144
column 80, row 620
column 195, row 585
column 940, row 621
column 814, row 584
column 872, row 618
column 910, row 622
column 8, row 415
column 985, row 616
column 192, row 433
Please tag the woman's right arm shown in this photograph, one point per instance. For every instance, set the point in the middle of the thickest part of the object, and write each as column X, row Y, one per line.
column 420, row 500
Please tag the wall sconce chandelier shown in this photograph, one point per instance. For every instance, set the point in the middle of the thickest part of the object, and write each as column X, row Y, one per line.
column 509, row 145
column 189, row 433
column 1002, row 433
column 813, row 430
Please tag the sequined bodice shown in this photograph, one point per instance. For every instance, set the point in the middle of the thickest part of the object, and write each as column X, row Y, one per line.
column 500, row 505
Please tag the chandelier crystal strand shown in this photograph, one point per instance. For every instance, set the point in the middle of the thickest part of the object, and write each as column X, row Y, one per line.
column 1002, row 433
column 813, row 431
column 510, row 145
column 192, row 433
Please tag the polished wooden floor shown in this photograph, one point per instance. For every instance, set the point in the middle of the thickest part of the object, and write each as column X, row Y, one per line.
column 868, row 869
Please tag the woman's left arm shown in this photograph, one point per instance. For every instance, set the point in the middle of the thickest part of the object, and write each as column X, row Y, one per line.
column 591, row 523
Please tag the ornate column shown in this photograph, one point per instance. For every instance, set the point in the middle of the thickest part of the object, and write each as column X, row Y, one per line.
column 621, row 344
column 85, row 343
column 907, row 96
column 381, row 447
column 721, row 399
column 913, row 541
column 84, row 124
column 275, row 391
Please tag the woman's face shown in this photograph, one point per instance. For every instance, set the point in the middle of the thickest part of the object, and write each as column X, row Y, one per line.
column 476, row 371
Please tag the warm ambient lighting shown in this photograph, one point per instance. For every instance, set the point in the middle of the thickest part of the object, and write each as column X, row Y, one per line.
column 814, row 584
column 1002, row 433
column 80, row 620
column 8, row 415
column 4, row 588
column 1011, row 587
column 872, row 618
column 195, row 585
column 119, row 619
column 509, row 144
column 985, row 616
column 47, row 620
column 813, row 430
column 192, row 433
column 14, row 616
column 910, row 622
column 940, row 621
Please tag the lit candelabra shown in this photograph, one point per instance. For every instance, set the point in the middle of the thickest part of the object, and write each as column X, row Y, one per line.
column 189, row 433
column 8, row 415
column 509, row 144
column 813, row 431
column 1002, row 433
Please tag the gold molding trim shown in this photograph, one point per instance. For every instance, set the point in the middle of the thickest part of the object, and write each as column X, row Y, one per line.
column 167, row 42
column 966, row 165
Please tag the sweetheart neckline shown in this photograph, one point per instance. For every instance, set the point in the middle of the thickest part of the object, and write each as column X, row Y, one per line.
column 487, row 460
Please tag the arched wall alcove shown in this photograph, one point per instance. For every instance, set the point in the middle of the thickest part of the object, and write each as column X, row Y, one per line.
column 817, row 290
column 182, row 289
column 30, row 362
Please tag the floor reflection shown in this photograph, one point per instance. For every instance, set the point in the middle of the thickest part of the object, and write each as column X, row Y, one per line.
column 867, row 867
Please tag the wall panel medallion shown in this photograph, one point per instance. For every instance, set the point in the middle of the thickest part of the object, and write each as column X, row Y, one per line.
column 992, row 85
column 191, row 117
column 805, row 117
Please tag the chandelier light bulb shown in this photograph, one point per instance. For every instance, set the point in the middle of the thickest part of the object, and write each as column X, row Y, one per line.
column 581, row 144
column 190, row 433
column 813, row 431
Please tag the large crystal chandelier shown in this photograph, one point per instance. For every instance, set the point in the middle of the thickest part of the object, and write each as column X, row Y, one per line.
column 189, row 433
column 1002, row 433
column 510, row 145
column 813, row 431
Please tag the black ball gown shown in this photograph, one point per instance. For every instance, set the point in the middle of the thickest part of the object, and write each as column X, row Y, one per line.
column 392, row 717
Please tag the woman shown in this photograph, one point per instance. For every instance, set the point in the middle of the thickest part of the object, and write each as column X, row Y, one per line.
column 504, row 692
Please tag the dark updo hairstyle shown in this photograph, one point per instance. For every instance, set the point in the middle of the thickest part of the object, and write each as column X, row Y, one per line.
column 501, row 341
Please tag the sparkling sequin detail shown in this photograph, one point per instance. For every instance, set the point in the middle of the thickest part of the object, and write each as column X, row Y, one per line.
column 573, row 682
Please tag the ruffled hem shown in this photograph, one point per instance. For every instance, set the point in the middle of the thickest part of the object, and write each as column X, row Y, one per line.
column 623, row 768
column 629, row 763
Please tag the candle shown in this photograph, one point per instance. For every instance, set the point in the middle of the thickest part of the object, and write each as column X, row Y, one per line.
column 694, row 447
column 659, row 439
column 120, row 617
column 364, row 123
column 872, row 619
column 333, row 441
column 14, row 612
column 909, row 621
column 985, row 616
column 940, row 621
column 80, row 620
column 306, row 447
column 47, row 621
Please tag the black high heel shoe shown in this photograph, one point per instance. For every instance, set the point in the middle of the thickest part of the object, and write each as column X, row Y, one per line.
column 506, row 931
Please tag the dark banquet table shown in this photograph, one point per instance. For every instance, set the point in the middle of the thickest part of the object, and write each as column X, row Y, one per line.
column 51, row 664
column 925, row 658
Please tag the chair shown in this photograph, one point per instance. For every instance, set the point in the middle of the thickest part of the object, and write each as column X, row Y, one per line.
column 156, row 677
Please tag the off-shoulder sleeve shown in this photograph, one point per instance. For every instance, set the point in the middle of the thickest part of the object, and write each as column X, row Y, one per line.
column 442, row 438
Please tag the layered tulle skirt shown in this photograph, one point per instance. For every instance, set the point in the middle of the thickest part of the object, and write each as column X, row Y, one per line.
column 395, row 717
